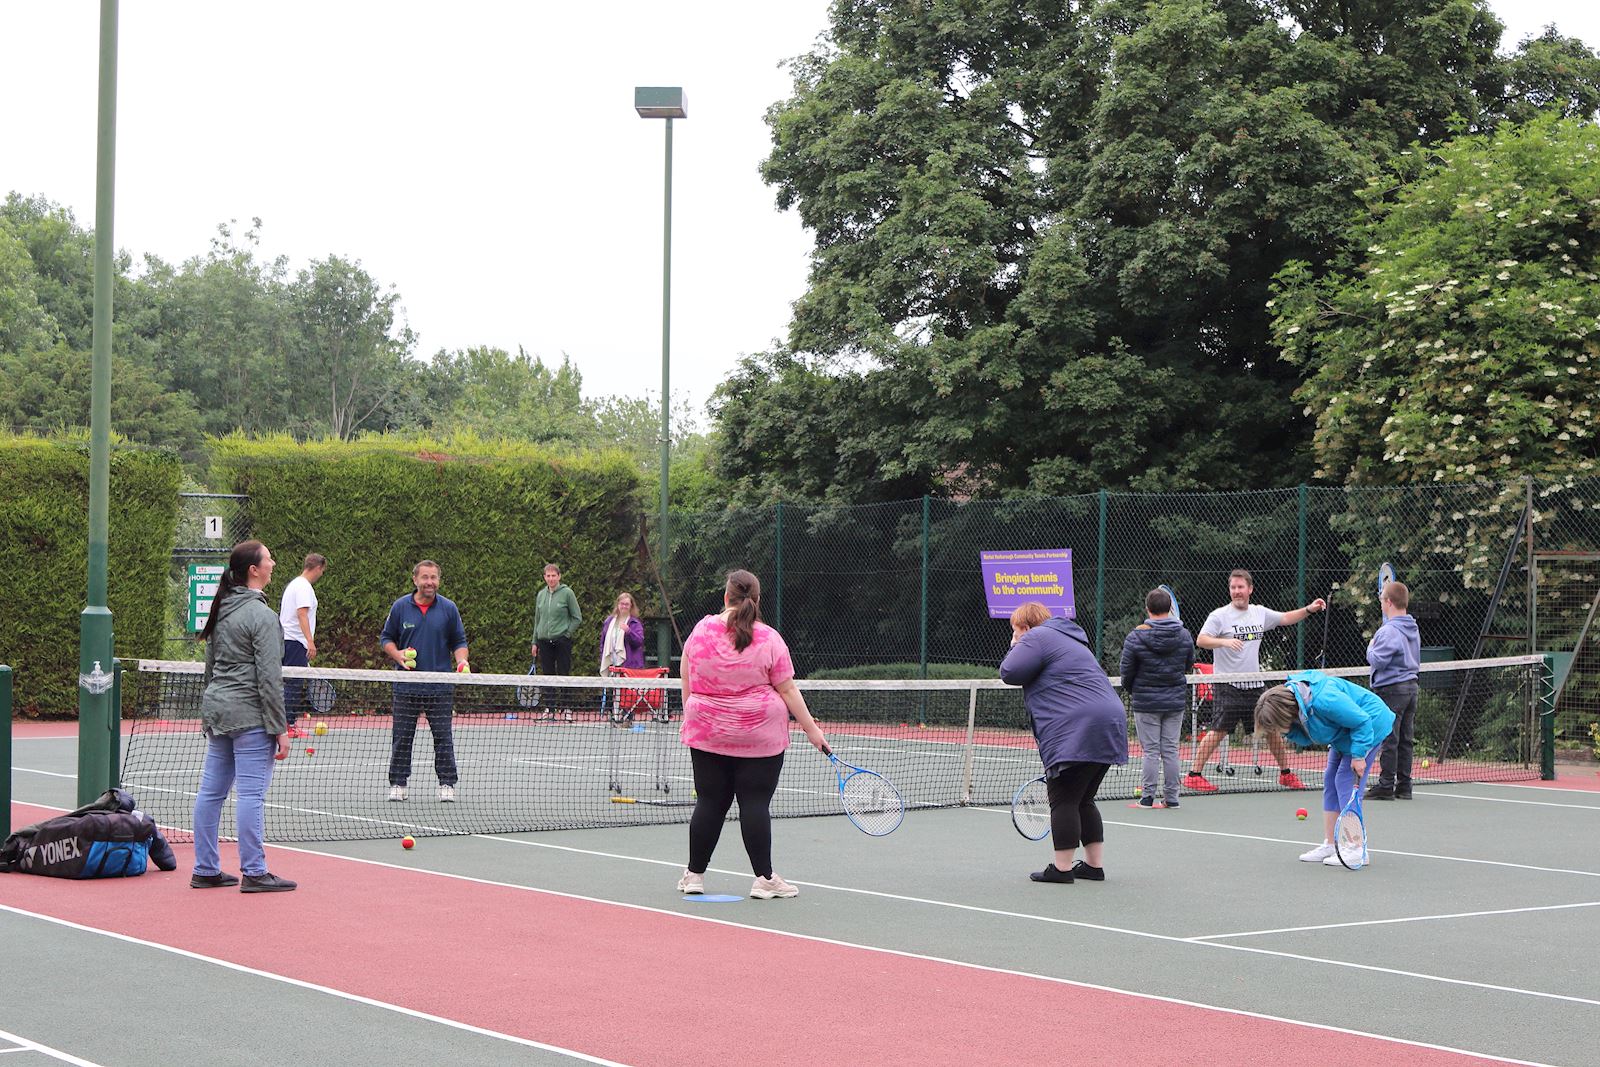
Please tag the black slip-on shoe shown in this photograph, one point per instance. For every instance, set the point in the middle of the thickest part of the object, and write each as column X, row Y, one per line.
column 1086, row 873
column 1051, row 874
column 220, row 880
column 265, row 883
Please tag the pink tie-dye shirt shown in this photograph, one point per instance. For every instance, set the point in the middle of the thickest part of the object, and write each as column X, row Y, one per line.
column 733, row 709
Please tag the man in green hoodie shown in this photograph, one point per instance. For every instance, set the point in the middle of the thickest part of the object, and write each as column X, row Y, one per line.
column 555, row 620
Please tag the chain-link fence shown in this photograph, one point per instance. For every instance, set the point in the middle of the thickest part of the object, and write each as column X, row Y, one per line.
column 894, row 589
column 209, row 525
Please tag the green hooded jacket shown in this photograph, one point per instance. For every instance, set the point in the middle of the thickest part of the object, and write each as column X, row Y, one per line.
column 244, row 668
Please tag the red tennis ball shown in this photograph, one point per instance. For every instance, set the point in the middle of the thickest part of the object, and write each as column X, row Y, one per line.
column 408, row 842
column 1300, row 813
column 311, row 752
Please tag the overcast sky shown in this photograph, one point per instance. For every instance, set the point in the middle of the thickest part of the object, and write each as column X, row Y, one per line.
column 482, row 157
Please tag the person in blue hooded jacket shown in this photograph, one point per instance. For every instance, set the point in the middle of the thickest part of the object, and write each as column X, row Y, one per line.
column 1395, row 656
column 1081, row 729
column 1156, row 659
column 1313, row 708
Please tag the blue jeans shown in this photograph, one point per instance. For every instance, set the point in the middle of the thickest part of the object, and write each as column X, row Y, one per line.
column 246, row 759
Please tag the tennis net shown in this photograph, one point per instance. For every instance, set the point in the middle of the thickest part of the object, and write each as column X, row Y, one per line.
column 546, row 753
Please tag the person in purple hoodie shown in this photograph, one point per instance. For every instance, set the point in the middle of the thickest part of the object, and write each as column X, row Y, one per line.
column 1394, row 654
column 1080, row 727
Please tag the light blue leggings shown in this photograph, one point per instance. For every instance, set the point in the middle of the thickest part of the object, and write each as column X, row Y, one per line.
column 246, row 759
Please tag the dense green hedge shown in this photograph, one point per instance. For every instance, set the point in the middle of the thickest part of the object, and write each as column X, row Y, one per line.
column 900, row 671
column 491, row 514
column 44, row 507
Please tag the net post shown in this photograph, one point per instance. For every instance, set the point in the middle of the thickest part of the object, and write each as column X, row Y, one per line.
column 966, row 762
column 1547, row 718
column 1300, row 586
column 5, row 752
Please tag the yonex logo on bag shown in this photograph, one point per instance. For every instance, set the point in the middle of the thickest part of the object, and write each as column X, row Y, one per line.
column 68, row 848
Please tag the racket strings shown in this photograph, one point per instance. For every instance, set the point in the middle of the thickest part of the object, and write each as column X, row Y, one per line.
column 1350, row 836
column 1030, row 811
column 872, row 803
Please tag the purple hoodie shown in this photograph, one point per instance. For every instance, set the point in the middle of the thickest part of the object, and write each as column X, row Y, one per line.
column 1395, row 651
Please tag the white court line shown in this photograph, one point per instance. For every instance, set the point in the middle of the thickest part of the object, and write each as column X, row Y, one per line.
column 34, row 1046
column 1508, row 800
column 1404, row 919
column 300, row 983
column 47, row 774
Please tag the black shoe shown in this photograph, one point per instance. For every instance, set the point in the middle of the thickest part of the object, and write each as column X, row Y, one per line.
column 265, row 883
column 1050, row 874
column 1402, row 796
column 1172, row 804
column 1087, row 873
column 220, row 880
column 1379, row 792
column 1147, row 801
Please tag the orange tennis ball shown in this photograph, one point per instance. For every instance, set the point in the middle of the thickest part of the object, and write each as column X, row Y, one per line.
column 1300, row 813
column 408, row 842
column 311, row 752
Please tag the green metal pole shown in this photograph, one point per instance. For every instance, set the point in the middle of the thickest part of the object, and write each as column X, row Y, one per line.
column 1547, row 718
column 1300, row 586
column 777, row 592
column 664, row 643
column 922, row 654
column 1100, row 579
column 5, row 752
column 94, row 625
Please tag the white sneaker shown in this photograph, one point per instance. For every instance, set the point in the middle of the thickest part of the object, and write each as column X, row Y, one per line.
column 447, row 794
column 691, row 883
column 1333, row 861
column 1320, row 854
column 397, row 792
column 767, row 888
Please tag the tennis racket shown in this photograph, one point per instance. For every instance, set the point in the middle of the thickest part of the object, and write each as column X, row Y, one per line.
column 1385, row 576
column 528, row 695
column 1030, row 810
column 869, row 799
column 1167, row 589
column 320, row 695
column 1350, row 832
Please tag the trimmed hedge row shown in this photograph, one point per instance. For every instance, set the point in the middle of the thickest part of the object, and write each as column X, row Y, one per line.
column 490, row 514
column 44, row 535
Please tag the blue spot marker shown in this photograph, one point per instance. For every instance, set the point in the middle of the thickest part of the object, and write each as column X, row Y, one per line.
column 712, row 898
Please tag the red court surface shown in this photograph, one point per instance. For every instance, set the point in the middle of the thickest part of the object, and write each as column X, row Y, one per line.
column 647, row 987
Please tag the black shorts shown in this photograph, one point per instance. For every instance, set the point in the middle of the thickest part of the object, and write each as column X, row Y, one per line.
column 1230, row 706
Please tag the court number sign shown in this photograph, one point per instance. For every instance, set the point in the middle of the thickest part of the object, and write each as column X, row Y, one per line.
column 213, row 527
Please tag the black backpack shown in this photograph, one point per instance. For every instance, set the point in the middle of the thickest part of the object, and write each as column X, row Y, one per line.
column 109, row 838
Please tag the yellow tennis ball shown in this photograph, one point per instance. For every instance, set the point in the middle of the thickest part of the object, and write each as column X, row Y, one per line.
column 322, row 728
column 1425, row 763
column 1138, row 790
column 410, row 653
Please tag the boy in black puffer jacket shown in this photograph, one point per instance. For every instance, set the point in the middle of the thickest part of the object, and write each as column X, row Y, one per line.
column 1155, row 658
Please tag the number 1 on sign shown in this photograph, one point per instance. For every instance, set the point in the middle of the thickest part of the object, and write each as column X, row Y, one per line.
column 213, row 527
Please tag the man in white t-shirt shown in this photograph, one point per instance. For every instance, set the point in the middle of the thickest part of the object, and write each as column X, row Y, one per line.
column 1233, row 633
column 298, row 617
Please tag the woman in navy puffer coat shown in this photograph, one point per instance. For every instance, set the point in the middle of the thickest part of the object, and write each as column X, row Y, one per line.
column 1080, row 727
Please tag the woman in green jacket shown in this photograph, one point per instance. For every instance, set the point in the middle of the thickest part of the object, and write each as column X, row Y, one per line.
column 241, row 712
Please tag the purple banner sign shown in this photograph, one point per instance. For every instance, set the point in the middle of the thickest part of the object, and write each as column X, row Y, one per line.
column 1014, row 577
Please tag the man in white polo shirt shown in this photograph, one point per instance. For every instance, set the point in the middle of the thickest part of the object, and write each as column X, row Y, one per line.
column 298, row 616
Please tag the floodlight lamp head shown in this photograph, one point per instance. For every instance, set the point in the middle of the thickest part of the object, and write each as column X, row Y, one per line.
column 660, row 102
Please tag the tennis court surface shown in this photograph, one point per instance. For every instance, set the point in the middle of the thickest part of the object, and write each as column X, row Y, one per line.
column 1472, row 937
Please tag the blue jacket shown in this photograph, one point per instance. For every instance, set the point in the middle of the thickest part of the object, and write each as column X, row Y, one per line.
column 1395, row 651
column 1338, row 713
column 435, row 635
column 1075, row 714
column 1155, row 658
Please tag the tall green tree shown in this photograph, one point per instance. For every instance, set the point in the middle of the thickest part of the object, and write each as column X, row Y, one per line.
column 1045, row 232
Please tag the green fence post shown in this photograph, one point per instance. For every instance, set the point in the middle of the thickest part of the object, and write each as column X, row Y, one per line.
column 1300, row 631
column 777, row 605
column 5, row 752
column 922, row 639
column 114, row 746
column 1100, row 580
column 1547, row 718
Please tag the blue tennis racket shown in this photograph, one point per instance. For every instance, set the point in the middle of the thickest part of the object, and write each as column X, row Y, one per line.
column 1385, row 576
column 1167, row 589
column 1350, row 832
column 1030, row 810
column 869, row 799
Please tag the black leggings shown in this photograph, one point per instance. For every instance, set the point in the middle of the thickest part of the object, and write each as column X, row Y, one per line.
column 1074, row 818
column 718, row 780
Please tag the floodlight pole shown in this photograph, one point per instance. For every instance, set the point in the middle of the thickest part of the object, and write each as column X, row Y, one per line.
column 663, row 102
column 95, row 641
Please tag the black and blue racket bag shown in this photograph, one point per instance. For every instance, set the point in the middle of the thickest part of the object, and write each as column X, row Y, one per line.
column 109, row 838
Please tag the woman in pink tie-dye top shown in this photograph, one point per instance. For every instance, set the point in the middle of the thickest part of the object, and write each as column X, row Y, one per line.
column 739, row 691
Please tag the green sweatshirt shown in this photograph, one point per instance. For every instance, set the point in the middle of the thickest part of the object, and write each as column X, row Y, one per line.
column 244, row 668
column 555, row 614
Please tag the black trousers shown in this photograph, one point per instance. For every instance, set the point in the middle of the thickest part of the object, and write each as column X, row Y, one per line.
column 438, row 707
column 1074, row 818
column 718, row 781
column 1394, row 761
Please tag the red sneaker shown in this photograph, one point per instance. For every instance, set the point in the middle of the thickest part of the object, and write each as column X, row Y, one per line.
column 1288, row 780
column 1196, row 782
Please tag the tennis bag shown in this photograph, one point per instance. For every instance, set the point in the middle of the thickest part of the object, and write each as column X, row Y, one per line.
column 109, row 838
